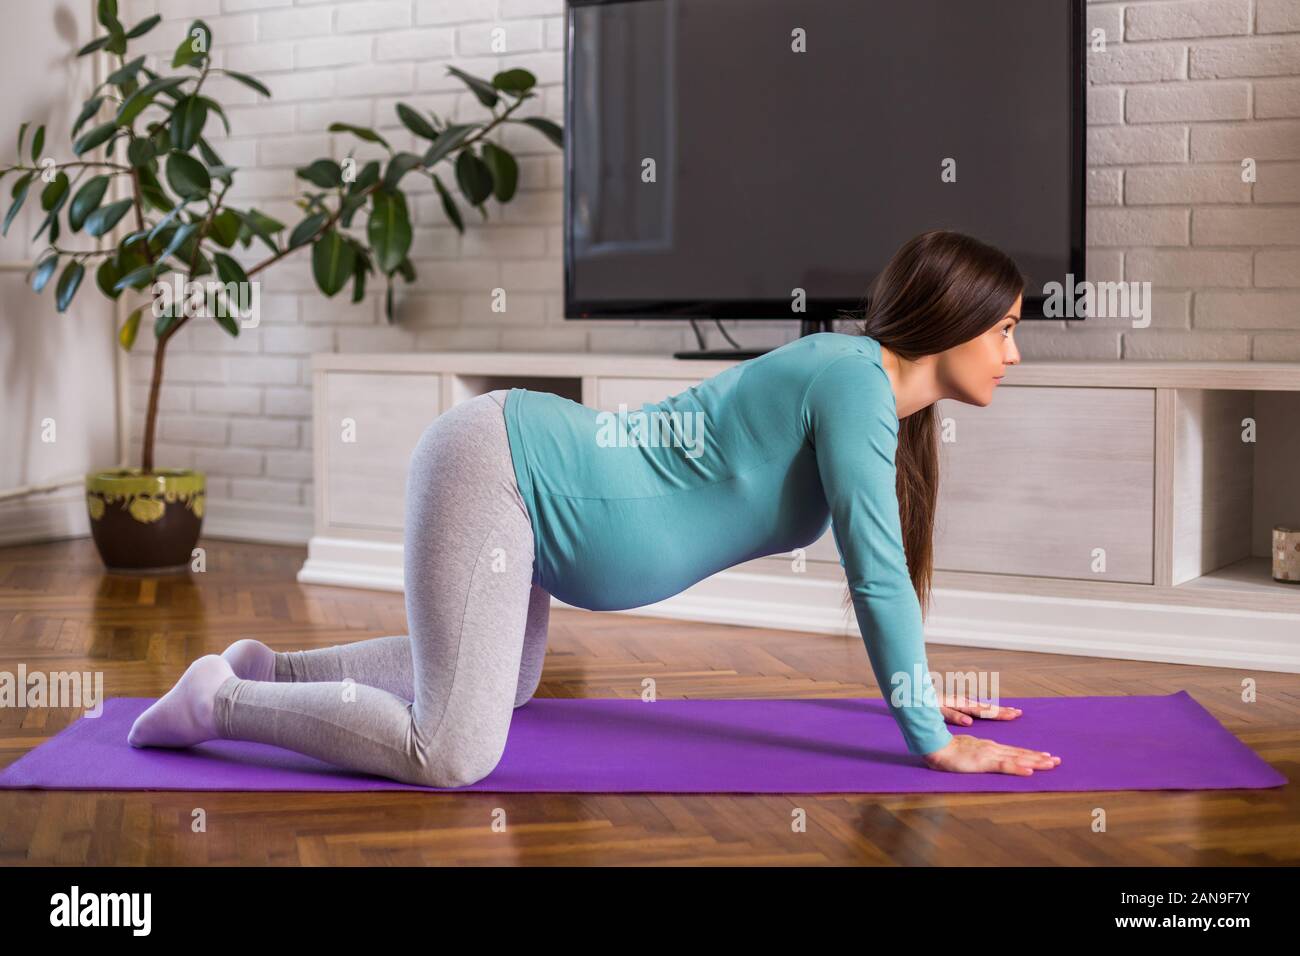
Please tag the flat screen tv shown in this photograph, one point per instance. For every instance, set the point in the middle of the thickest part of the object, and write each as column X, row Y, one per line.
column 722, row 154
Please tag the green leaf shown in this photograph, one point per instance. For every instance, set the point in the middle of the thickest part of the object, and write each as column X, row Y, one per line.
column 473, row 177
column 332, row 260
column 447, row 140
column 369, row 135
column 94, row 137
column 51, row 222
column 106, row 217
column 55, row 192
column 188, row 117
column 106, row 277
column 306, row 229
column 86, row 201
column 229, row 270
column 164, row 225
column 69, row 281
column 138, row 278
column 141, row 152
column 164, row 322
column 202, row 266
column 262, row 226
column 247, row 81
column 514, row 81
column 151, row 190
column 196, row 45
column 96, row 44
column 486, row 93
column 504, row 169
column 187, row 176
column 126, row 335
column 143, row 27
column 106, row 12
column 406, row 270
column 125, row 73
column 323, row 172
column 349, row 208
column 389, row 228
column 208, row 153
column 416, row 123
column 225, row 228
column 548, row 129
column 368, row 176
column 180, row 237
column 135, row 104
column 90, row 108
column 223, row 319
column 131, row 254
column 399, row 166
column 44, row 269
column 22, row 133
column 358, row 281
column 215, row 107
column 448, row 204
column 38, row 143
column 19, row 194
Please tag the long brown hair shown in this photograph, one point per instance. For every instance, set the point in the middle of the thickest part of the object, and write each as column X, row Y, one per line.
column 940, row 289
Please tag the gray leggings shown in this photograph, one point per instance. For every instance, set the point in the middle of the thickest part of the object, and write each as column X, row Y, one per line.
column 432, row 708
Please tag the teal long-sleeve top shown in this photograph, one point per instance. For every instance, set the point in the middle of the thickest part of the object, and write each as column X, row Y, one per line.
column 632, row 506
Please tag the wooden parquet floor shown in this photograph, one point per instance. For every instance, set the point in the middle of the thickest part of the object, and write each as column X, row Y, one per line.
column 60, row 611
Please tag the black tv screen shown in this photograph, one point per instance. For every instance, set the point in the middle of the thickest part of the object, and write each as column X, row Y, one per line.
column 720, row 154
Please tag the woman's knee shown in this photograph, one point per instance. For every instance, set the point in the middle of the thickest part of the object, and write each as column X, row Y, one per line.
column 451, row 763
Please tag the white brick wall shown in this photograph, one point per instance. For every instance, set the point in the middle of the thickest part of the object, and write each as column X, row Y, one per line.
column 1184, row 92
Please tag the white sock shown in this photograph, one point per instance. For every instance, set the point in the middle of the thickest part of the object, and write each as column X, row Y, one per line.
column 251, row 660
column 186, row 714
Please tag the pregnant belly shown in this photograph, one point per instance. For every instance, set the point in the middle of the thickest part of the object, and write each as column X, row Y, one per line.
column 611, row 575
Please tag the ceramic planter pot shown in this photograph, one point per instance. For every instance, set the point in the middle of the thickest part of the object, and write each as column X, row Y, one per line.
column 145, row 522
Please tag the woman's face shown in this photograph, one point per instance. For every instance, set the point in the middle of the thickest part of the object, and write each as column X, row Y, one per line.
column 969, row 372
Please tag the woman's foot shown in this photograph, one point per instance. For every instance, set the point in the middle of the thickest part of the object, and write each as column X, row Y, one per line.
column 251, row 660
column 186, row 714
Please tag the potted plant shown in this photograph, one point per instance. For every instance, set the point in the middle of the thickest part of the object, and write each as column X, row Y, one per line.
column 148, row 186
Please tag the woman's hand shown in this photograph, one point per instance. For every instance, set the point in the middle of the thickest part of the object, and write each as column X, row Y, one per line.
column 962, row 710
column 967, row 754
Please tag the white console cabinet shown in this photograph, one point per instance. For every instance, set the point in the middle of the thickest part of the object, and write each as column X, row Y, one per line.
column 1113, row 509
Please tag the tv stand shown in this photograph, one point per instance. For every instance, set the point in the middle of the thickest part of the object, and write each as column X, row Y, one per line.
column 1134, row 522
column 738, row 354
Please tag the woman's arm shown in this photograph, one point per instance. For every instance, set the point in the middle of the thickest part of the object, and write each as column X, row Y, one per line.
column 849, row 406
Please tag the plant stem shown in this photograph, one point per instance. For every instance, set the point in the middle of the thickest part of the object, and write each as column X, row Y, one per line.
column 325, row 227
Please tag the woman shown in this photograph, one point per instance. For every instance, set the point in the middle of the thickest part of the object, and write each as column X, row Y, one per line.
column 517, row 495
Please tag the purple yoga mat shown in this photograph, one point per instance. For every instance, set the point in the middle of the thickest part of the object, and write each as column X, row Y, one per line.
column 823, row 745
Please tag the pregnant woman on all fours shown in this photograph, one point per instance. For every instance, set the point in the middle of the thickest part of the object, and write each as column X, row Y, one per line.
column 516, row 495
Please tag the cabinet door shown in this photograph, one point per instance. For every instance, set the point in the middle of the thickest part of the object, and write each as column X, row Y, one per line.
column 372, row 422
column 1049, row 482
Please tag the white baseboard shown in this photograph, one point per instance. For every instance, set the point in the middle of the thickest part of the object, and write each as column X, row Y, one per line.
column 233, row 519
column 44, row 516
column 1127, row 630
column 351, row 563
